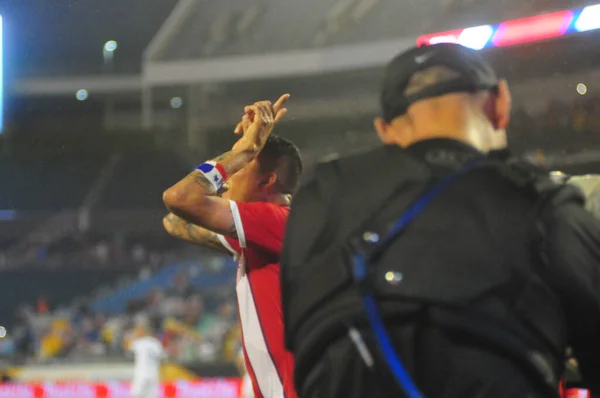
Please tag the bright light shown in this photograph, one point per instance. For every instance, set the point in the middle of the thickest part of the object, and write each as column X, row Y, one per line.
column 582, row 89
column 81, row 95
column 2, row 332
column 589, row 19
column 526, row 30
column 389, row 276
column 520, row 31
column 176, row 102
column 436, row 38
column 1, row 81
column 443, row 39
column 476, row 37
column 110, row 46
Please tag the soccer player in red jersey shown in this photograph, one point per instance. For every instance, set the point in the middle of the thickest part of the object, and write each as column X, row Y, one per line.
column 262, row 172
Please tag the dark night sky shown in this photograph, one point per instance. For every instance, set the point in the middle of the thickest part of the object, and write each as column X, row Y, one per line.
column 66, row 36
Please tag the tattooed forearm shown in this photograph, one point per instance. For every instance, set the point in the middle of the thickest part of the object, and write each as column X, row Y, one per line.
column 174, row 225
column 232, row 162
column 201, row 180
column 222, row 157
column 203, row 236
column 194, row 198
column 181, row 229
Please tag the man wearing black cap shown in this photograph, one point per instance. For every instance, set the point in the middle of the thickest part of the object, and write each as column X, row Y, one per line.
column 432, row 266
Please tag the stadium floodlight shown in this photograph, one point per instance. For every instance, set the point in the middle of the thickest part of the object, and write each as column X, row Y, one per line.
column 81, row 95
column 437, row 38
column 527, row 30
column 176, row 102
column 477, row 37
column 520, row 31
column 1, row 81
column 110, row 46
column 589, row 19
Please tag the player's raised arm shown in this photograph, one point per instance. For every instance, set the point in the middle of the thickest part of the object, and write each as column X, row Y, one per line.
column 182, row 229
column 194, row 198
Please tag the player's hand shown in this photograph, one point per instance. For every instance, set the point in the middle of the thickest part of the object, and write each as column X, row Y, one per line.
column 258, row 122
column 248, row 117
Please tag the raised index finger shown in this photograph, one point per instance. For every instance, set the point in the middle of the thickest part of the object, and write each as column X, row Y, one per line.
column 277, row 106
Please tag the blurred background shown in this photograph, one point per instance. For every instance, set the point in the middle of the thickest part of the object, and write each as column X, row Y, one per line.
column 104, row 104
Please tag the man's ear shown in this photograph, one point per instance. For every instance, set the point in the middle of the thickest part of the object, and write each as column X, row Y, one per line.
column 502, row 108
column 268, row 180
column 382, row 128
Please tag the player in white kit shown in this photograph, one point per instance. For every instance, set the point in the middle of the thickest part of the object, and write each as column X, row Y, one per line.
column 148, row 353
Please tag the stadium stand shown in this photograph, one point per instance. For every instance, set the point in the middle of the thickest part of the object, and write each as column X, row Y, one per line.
column 33, row 181
column 529, row 132
column 140, row 179
column 190, row 304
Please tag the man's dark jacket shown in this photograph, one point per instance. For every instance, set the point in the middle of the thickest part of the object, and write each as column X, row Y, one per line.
column 498, row 247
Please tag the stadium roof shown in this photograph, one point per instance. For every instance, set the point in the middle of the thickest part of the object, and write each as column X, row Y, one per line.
column 216, row 28
column 232, row 42
column 205, row 51
column 66, row 37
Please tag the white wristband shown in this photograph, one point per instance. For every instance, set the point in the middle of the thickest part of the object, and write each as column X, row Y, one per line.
column 214, row 172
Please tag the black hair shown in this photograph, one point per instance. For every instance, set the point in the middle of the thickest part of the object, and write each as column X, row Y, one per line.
column 282, row 157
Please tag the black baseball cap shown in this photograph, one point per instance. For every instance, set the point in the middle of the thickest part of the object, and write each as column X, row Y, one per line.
column 458, row 69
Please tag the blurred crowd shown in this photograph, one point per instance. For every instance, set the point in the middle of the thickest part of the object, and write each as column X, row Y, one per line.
column 573, row 126
column 193, row 326
column 88, row 250
column 102, row 251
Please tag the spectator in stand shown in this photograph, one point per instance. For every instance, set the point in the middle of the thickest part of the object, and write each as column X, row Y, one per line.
column 102, row 252
column 42, row 304
column 90, row 334
column 53, row 342
column 180, row 285
column 226, row 317
column 155, row 296
column 204, row 319
column 138, row 253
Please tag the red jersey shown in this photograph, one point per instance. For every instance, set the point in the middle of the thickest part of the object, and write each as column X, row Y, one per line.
column 260, row 228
